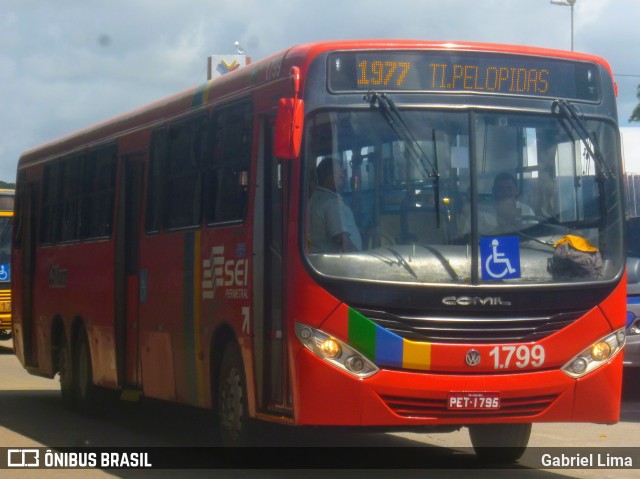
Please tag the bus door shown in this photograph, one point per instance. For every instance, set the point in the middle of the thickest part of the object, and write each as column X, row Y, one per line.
column 271, row 332
column 127, row 270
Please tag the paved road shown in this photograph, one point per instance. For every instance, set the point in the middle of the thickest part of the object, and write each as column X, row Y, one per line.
column 31, row 415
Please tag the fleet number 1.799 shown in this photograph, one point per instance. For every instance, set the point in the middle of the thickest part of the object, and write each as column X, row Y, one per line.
column 522, row 356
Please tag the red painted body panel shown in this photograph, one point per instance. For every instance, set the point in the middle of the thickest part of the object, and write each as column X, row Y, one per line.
column 596, row 394
column 77, row 282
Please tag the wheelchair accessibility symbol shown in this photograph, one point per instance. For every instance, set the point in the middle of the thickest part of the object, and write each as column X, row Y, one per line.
column 500, row 257
column 5, row 272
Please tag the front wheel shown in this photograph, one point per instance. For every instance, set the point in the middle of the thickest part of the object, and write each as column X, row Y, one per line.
column 231, row 399
column 500, row 442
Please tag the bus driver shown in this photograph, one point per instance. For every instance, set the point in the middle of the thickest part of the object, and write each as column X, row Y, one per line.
column 505, row 214
column 332, row 227
column 509, row 211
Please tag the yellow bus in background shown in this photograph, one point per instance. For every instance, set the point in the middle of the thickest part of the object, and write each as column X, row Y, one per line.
column 6, row 218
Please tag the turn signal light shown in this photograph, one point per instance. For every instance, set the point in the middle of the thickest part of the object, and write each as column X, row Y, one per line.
column 596, row 355
column 601, row 351
column 330, row 348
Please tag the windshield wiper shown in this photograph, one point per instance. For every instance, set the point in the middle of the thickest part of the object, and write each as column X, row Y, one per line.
column 413, row 150
column 569, row 114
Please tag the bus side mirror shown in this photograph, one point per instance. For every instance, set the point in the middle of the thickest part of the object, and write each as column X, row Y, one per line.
column 633, row 271
column 288, row 129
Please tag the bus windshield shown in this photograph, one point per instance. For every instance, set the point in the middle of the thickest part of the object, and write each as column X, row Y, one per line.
column 5, row 248
column 457, row 197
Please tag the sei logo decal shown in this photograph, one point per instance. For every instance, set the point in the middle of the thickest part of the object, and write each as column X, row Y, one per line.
column 230, row 274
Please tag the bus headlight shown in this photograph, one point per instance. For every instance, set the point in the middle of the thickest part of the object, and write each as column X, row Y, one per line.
column 330, row 348
column 601, row 351
column 334, row 351
column 595, row 355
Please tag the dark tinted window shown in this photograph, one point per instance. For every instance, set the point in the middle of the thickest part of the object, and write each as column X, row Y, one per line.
column 227, row 164
column 158, row 160
column 78, row 196
column 186, row 145
column 200, row 164
column 98, row 195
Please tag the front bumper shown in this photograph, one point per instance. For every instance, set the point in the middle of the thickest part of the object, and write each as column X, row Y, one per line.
column 394, row 398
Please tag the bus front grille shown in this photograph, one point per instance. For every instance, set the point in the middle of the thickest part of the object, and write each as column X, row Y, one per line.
column 464, row 330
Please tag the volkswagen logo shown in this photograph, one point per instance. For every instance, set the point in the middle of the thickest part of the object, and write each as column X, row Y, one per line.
column 472, row 358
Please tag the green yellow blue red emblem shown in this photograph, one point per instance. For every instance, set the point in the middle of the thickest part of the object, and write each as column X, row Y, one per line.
column 385, row 348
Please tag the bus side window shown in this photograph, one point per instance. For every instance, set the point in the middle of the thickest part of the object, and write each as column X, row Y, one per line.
column 227, row 164
column 71, row 197
column 49, row 224
column 99, row 193
column 184, row 173
column 159, row 152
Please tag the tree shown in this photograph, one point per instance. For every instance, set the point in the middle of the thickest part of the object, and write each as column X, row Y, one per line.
column 635, row 115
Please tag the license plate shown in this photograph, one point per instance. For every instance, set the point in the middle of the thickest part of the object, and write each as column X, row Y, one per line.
column 474, row 401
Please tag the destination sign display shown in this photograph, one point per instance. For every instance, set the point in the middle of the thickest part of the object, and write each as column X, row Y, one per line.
column 463, row 72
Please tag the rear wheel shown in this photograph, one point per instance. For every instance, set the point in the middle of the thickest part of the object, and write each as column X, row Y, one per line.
column 231, row 399
column 65, row 370
column 85, row 392
column 500, row 442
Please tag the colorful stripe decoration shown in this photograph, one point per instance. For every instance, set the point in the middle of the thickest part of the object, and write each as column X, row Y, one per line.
column 386, row 348
column 201, row 96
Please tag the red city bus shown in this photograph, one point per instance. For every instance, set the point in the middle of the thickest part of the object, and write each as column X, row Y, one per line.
column 392, row 234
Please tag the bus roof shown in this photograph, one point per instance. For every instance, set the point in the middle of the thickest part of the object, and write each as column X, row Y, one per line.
column 271, row 69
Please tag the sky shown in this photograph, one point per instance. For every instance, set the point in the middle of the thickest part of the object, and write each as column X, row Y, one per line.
column 66, row 64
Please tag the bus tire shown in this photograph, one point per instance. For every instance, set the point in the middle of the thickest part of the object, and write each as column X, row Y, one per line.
column 500, row 442
column 85, row 391
column 65, row 370
column 231, row 399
